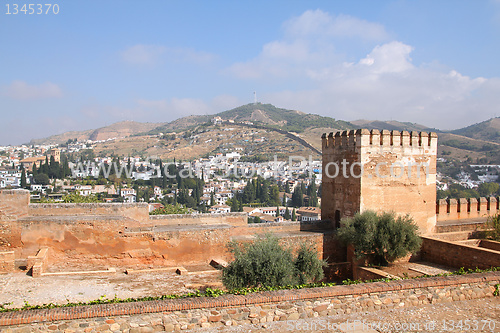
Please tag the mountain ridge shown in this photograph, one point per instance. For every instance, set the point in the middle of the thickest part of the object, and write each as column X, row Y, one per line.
column 477, row 141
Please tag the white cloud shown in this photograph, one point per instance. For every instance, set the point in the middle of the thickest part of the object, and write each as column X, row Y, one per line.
column 151, row 55
column 143, row 54
column 384, row 84
column 309, row 43
column 393, row 57
column 23, row 91
column 317, row 23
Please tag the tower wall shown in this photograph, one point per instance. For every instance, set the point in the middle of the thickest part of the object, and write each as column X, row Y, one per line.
column 381, row 171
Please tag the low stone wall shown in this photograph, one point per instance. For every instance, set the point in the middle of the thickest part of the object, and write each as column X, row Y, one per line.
column 369, row 273
column 457, row 236
column 232, row 310
column 7, row 261
column 473, row 225
column 37, row 264
column 489, row 244
column 458, row 255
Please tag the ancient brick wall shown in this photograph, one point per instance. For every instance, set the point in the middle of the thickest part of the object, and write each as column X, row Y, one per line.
column 7, row 261
column 381, row 171
column 488, row 244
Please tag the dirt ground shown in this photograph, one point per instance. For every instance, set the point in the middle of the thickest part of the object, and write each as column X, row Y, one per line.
column 18, row 288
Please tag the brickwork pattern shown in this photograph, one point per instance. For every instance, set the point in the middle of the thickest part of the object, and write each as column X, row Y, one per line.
column 458, row 255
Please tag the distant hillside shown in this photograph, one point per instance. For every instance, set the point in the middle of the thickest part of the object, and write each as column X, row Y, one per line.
column 488, row 130
column 180, row 124
column 196, row 136
column 121, row 129
column 289, row 120
column 262, row 114
column 392, row 125
column 62, row 138
column 116, row 130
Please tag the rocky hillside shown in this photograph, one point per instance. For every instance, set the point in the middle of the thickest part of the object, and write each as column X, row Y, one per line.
column 488, row 130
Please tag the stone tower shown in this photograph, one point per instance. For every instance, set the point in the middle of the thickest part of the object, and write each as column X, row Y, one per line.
column 56, row 152
column 381, row 171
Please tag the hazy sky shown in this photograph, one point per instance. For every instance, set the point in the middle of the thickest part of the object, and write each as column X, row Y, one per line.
column 98, row 62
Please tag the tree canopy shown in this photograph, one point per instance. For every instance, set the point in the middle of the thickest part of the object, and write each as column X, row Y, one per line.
column 384, row 237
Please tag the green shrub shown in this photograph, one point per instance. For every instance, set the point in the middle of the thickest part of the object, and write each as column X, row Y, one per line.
column 381, row 236
column 493, row 224
column 308, row 267
column 265, row 263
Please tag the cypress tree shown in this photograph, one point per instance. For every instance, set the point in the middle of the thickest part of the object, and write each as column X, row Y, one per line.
column 287, row 214
column 23, row 177
column 235, row 205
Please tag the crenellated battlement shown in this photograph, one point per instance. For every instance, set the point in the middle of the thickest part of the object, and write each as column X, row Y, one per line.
column 466, row 208
column 384, row 138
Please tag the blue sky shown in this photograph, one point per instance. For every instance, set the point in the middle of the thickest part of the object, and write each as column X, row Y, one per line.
column 99, row 62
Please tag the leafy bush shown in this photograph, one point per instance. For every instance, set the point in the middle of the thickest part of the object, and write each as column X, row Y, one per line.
column 265, row 263
column 383, row 237
column 309, row 268
column 78, row 198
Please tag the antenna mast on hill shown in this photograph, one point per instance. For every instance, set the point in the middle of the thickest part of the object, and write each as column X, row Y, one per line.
column 254, row 97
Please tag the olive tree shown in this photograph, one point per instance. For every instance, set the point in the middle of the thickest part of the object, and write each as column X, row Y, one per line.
column 383, row 236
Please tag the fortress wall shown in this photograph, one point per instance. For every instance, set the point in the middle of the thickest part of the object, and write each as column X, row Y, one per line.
column 136, row 211
column 121, row 242
column 472, row 208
